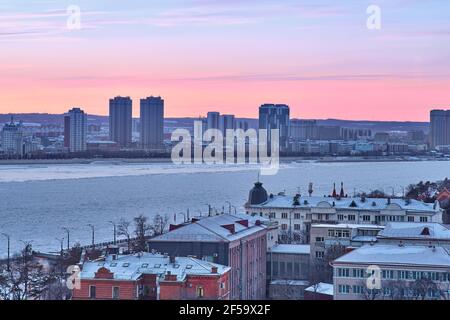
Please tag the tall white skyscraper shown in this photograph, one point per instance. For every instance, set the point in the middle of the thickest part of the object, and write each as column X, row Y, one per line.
column 152, row 123
column 78, row 130
column 12, row 139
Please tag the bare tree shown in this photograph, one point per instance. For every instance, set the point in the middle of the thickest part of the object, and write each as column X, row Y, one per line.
column 422, row 287
column 159, row 225
column 123, row 229
column 142, row 228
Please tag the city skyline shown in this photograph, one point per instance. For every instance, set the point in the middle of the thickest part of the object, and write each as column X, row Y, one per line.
column 318, row 57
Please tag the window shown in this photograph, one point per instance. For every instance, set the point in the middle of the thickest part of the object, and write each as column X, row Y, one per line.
column 200, row 292
column 282, row 268
column 297, row 226
column 320, row 254
column 344, row 289
column 387, row 291
column 358, row 273
column 351, row 217
column 284, row 215
column 403, row 274
column 297, row 216
column 345, row 234
column 144, row 265
column 388, row 274
column 343, row 272
column 366, row 218
column 158, row 265
column 272, row 215
column 340, row 217
column 410, row 219
column 319, row 239
column 126, row 265
column 92, row 292
column 423, row 219
column 358, row 289
column 222, row 285
column 115, row 292
column 284, row 226
column 308, row 216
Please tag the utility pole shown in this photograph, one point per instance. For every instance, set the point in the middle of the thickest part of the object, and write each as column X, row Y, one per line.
column 68, row 237
column 93, row 235
column 114, row 230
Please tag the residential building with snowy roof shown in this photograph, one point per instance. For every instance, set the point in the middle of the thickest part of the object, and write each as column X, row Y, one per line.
column 416, row 234
column 392, row 271
column 149, row 276
column 295, row 214
column 236, row 240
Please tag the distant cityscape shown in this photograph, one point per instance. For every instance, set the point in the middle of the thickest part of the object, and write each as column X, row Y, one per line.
column 77, row 134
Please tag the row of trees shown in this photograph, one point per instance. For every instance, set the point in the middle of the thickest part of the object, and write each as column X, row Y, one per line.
column 143, row 229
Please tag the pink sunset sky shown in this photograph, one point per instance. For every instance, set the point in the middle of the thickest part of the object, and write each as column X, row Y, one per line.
column 229, row 56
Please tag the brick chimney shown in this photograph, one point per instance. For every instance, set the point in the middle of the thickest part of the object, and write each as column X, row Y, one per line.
column 214, row 269
column 257, row 222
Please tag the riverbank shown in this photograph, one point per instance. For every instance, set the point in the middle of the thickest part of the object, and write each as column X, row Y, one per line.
column 78, row 161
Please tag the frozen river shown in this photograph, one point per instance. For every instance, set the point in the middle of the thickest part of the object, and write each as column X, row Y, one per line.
column 36, row 201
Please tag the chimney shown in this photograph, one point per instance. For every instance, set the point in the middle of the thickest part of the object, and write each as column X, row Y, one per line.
column 172, row 259
column 214, row 269
column 400, row 244
column 257, row 222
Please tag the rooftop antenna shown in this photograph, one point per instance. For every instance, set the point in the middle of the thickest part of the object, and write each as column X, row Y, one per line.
column 258, row 176
column 310, row 189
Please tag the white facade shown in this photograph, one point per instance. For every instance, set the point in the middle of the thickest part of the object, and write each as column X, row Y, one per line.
column 396, row 272
column 296, row 214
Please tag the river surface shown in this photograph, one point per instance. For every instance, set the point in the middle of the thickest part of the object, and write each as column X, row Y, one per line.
column 36, row 201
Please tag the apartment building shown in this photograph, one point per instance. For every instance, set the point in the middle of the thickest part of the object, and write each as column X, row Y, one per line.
column 387, row 272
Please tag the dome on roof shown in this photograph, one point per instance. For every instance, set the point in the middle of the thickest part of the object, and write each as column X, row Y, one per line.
column 257, row 194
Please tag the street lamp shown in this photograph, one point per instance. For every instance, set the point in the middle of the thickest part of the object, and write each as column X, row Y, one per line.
column 8, row 259
column 114, row 226
column 61, row 254
column 229, row 206
column 68, row 237
column 93, row 235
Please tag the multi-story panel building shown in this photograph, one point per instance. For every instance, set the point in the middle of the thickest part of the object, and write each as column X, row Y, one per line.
column 275, row 116
column 213, row 120
column 12, row 139
column 235, row 240
column 296, row 214
column 439, row 128
column 152, row 123
column 148, row 276
column 120, row 121
column 302, row 130
column 392, row 272
column 78, row 130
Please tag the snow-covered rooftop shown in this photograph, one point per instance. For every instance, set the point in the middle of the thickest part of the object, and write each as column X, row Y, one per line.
column 131, row 267
column 211, row 229
column 422, row 230
column 291, row 248
column 397, row 255
column 290, row 282
column 321, row 287
column 285, row 201
column 347, row 226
